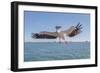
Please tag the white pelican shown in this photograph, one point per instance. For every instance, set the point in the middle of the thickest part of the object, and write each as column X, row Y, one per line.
column 71, row 32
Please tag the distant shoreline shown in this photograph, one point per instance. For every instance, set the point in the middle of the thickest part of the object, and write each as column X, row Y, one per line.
column 58, row 42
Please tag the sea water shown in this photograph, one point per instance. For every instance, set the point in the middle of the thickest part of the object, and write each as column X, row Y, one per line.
column 46, row 51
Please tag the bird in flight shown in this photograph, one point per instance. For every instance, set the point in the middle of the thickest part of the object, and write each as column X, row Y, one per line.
column 71, row 32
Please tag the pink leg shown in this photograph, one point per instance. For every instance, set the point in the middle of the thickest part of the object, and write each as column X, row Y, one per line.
column 64, row 40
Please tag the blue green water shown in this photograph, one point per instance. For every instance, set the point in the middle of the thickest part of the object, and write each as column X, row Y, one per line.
column 47, row 51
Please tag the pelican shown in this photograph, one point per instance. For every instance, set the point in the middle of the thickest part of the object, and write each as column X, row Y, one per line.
column 71, row 32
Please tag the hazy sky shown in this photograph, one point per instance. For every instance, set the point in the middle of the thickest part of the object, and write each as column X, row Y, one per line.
column 46, row 21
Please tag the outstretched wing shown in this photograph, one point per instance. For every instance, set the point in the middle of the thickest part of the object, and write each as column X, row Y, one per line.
column 73, row 30
column 45, row 35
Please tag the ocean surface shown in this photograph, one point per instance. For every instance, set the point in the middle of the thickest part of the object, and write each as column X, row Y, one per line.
column 47, row 51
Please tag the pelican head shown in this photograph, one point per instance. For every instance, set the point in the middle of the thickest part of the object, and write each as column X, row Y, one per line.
column 57, row 28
